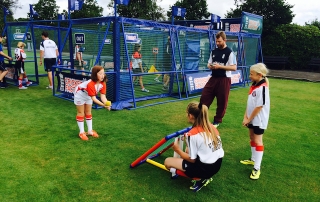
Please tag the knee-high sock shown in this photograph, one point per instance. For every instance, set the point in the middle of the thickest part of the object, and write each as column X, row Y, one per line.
column 20, row 82
column 258, row 156
column 89, row 122
column 253, row 150
column 80, row 120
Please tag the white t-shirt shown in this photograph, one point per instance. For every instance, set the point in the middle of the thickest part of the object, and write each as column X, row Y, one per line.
column 204, row 149
column 259, row 96
column 49, row 47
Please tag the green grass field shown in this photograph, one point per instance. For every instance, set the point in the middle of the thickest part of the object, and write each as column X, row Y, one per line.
column 42, row 158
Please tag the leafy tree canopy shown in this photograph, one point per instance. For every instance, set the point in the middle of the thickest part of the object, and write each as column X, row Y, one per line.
column 143, row 9
column 196, row 9
column 11, row 5
column 46, row 9
column 90, row 9
column 314, row 22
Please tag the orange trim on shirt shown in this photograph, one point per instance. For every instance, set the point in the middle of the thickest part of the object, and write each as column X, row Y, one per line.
column 92, row 91
column 198, row 129
column 136, row 55
column 252, row 88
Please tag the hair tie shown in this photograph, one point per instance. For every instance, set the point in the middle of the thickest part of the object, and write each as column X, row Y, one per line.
column 200, row 106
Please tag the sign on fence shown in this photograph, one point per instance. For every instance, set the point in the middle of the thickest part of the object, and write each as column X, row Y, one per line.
column 79, row 38
column 20, row 36
column 197, row 81
column 251, row 23
column 67, row 83
column 132, row 38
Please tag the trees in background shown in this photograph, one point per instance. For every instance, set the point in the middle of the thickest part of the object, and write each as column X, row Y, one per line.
column 143, row 9
column 279, row 37
column 299, row 43
column 314, row 22
column 11, row 5
column 90, row 9
column 196, row 9
column 46, row 9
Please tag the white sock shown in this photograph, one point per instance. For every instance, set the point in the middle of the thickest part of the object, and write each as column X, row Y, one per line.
column 253, row 150
column 258, row 156
column 80, row 123
column 173, row 171
column 89, row 122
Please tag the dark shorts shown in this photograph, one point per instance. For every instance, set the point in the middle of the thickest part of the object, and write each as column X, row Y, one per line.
column 256, row 129
column 167, row 66
column 19, row 67
column 136, row 70
column 48, row 63
column 2, row 66
column 201, row 170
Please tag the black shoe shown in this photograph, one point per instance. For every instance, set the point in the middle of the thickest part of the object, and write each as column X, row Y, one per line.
column 216, row 124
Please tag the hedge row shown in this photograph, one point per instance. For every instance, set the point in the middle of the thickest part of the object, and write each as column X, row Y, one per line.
column 299, row 43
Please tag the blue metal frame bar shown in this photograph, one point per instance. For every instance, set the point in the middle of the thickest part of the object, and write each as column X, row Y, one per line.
column 102, row 44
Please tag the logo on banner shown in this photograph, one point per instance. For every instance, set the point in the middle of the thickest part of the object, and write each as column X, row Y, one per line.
column 215, row 18
column 32, row 11
column 197, row 81
column 18, row 36
column 6, row 11
column 236, row 77
column 68, row 82
column 79, row 38
column 132, row 38
column 177, row 11
column 75, row 5
column 124, row 2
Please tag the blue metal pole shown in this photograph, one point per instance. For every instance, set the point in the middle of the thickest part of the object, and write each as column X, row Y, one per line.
column 5, row 22
column 69, row 4
column 116, row 51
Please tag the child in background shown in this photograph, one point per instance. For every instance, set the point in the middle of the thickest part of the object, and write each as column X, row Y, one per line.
column 20, row 56
column 78, row 51
column 256, row 115
column 3, row 69
column 204, row 152
column 137, row 65
column 85, row 94
column 167, row 63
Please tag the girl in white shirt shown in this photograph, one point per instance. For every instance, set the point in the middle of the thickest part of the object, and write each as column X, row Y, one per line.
column 85, row 94
column 203, row 156
column 256, row 115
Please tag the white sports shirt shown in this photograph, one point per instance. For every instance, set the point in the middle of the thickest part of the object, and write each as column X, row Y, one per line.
column 20, row 55
column 49, row 47
column 259, row 96
column 204, row 149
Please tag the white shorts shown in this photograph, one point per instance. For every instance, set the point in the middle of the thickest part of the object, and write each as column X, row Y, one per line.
column 81, row 98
